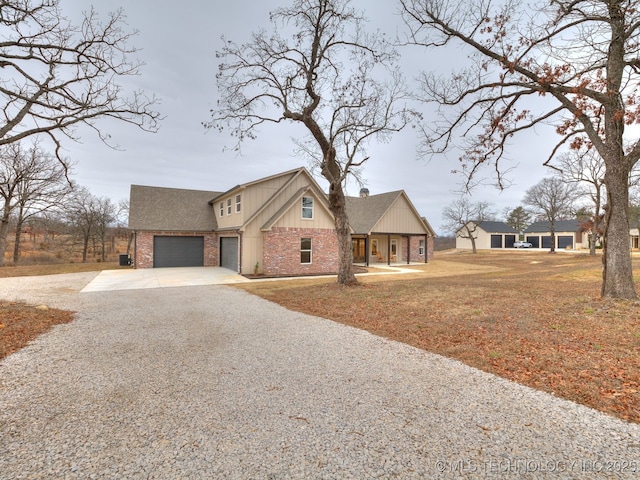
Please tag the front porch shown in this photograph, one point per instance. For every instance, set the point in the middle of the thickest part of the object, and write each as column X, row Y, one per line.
column 389, row 249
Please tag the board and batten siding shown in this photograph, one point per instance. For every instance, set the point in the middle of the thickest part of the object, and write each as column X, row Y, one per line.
column 401, row 218
column 254, row 197
column 262, row 203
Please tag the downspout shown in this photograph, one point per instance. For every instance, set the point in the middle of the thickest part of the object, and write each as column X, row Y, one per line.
column 240, row 251
column 135, row 249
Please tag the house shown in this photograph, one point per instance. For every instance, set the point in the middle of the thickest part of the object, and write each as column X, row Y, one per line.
column 279, row 225
column 570, row 234
column 487, row 234
column 634, row 235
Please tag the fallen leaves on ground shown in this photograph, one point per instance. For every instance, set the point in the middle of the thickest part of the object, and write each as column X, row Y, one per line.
column 536, row 320
column 21, row 323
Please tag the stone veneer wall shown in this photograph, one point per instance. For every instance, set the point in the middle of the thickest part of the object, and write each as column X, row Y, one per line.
column 143, row 254
column 281, row 253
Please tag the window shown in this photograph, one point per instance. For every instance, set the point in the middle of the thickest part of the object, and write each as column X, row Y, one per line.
column 238, row 203
column 421, row 248
column 228, row 206
column 307, row 207
column 222, row 209
column 305, row 250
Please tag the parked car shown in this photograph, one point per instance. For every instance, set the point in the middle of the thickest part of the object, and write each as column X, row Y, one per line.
column 522, row 245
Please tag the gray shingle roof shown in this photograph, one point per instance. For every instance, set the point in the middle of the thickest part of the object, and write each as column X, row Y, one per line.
column 496, row 227
column 159, row 208
column 560, row 226
column 365, row 212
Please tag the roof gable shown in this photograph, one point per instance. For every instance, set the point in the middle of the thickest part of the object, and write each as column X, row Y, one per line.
column 370, row 213
column 284, row 198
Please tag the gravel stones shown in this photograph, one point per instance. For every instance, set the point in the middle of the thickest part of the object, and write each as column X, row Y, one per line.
column 211, row 382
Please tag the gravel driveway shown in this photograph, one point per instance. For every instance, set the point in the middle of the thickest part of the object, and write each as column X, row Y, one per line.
column 211, row 382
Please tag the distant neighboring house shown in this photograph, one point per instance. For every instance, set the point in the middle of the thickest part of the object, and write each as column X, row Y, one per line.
column 570, row 234
column 279, row 225
column 488, row 235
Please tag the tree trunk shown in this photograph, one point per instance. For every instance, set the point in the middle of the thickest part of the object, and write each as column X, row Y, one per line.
column 16, row 245
column 85, row 248
column 338, row 207
column 617, row 281
column 617, row 275
column 332, row 171
column 4, row 233
column 596, row 223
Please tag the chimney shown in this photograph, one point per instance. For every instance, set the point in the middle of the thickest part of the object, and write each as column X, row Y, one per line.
column 364, row 192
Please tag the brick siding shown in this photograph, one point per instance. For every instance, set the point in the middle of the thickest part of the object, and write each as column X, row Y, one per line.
column 281, row 253
column 415, row 249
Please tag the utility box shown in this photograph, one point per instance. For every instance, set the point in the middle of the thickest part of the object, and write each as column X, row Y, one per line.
column 125, row 260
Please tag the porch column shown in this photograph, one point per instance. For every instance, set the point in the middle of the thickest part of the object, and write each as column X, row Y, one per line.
column 408, row 249
column 426, row 249
column 366, row 250
column 388, row 249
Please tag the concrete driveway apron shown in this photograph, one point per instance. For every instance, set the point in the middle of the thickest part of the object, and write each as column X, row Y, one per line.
column 130, row 279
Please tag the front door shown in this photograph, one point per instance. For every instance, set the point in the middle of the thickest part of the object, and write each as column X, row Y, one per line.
column 359, row 250
column 394, row 250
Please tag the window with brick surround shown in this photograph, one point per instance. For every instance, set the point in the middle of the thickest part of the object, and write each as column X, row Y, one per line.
column 421, row 248
column 305, row 250
column 238, row 203
column 307, row 207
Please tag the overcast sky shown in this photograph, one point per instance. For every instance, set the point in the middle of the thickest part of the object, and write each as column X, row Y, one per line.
column 177, row 42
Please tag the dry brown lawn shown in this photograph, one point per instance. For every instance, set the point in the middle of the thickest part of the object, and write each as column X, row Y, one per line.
column 535, row 318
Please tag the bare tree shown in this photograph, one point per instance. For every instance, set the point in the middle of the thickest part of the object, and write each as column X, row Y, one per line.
column 327, row 75
column 463, row 218
column 585, row 168
column 569, row 63
column 552, row 200
column 106, row 214
column 122, row 222
column 31, row 182
column 56, row 75
column 83, row 216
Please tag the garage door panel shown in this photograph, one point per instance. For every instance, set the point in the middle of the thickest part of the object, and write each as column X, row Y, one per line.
column 565, row 241
column 176, row 251
column 229, row 253
column 509, row 240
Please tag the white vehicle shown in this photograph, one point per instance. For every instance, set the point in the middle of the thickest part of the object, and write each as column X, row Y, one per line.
column 520, row 244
